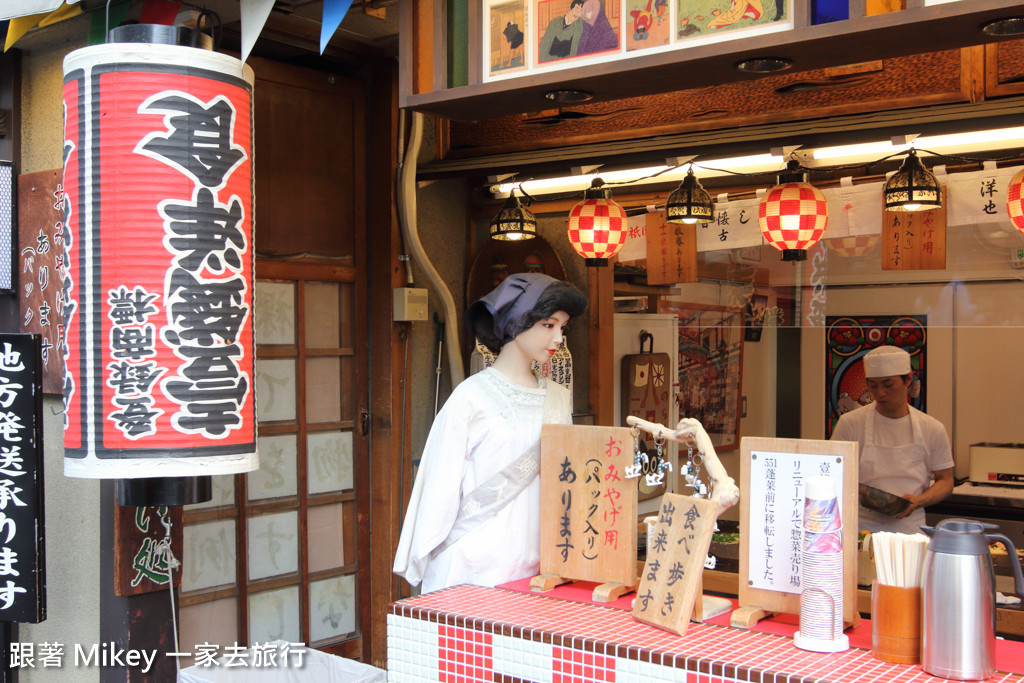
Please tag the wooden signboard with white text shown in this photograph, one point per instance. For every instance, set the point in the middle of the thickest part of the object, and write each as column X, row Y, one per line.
column 588, row 529
column 772, row 475
column 672, row 574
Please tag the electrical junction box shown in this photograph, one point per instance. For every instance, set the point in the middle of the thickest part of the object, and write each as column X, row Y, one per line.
column 1017, row 257
column 410, row 304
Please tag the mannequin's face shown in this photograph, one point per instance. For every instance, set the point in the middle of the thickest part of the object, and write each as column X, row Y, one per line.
column 541, row 341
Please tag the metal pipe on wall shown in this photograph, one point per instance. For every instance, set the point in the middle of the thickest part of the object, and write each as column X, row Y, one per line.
column 406, row 199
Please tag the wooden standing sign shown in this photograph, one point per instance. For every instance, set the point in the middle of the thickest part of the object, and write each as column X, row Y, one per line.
column 914, row 240
column 772, row 473
column 671, row 251
column 675, row 562
column 588, row 528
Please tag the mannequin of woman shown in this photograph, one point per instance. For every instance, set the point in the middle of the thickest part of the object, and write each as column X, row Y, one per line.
column 474, row 512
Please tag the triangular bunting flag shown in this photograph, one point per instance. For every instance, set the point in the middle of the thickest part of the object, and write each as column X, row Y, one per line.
column 63, row 12
column 98, row 20
column 334, row 12
column 19, row 26
column 254, row 17
column 159, row 12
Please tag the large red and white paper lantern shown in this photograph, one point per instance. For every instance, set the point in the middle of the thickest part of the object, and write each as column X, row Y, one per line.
column 597, row 226
column 792, row 217
column 158, row 279
column 1015, row 200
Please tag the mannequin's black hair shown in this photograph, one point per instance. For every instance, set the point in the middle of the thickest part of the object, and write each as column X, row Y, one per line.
column 559, row 296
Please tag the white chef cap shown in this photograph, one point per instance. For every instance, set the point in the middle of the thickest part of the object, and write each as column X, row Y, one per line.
column 886, row 361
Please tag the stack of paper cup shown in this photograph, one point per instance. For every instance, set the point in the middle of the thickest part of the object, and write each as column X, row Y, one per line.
column 821, row 597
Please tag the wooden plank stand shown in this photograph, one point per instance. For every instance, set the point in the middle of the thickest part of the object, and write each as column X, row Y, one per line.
column 780, row 466
column 588, row 508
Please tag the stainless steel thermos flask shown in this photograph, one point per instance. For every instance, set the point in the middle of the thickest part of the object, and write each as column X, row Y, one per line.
column 958, row 606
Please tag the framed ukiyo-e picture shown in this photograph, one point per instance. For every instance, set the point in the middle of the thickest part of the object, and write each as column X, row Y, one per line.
column 505, row 30
column 848, row 338
column 710, row 368
column 717, row 19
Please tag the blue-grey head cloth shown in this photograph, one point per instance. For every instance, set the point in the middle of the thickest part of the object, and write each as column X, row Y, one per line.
column 504, row 306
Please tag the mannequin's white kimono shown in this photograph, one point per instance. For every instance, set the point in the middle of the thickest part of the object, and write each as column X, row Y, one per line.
column 484, row 442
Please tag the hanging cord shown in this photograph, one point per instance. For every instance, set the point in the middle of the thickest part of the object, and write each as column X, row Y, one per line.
column 163, row 549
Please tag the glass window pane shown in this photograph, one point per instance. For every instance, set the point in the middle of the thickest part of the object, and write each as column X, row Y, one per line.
column 332, row 608
column 214, row 622
column 276, row 476
column 322, row 328
column 323, row 390
column 209, row 549
column 275, row 311
column 273, row 545
column 347, row 293
column 274, row 615
column 326, row 529
column 329, row 459
column 347, row 395
column 275, row 390
column 223, row 492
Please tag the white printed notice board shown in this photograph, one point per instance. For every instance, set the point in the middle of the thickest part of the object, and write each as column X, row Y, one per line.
column 772, row 476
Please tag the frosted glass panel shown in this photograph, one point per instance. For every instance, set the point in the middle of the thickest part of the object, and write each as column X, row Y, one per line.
column 329, row 458
column 332, row 608
column 323, row 390
column 214, row 622
column 223, row 492
column 274, row 615
column 276, row 475
column 325, row 526
column 273, row 545
column 209, row 549
column 275, row 313
column 322, row 310
column 275, row 390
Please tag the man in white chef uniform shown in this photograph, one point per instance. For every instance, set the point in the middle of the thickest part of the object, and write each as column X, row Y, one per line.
column 902, row 450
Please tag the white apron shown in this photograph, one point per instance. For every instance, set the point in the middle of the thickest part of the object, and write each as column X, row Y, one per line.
column 898, row 470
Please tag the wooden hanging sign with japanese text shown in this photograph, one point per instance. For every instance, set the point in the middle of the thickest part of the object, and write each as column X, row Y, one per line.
column 914, row 240
column 671, row 251
column 588, row 514
column 140, row 565
column 675, row 562
column 41, row 261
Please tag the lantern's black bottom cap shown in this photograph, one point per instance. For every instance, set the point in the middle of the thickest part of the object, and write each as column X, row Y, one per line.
column 794, row 254
column 155, row 491
column 596, row 262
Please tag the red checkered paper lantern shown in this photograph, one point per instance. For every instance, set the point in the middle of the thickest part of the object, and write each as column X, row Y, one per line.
column 597, row 226
column 855, row 245
column 1015, row 200
column 792, row 217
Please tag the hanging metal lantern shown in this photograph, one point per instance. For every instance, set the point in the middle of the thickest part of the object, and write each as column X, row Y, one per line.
column 913, row 187
column 689, row 203
column 514, row 221
column 158, row 279
column 792, row 217
column 1015, row 200
column 597, row 225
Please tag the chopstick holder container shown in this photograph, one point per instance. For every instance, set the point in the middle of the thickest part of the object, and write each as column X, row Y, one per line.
column 896, row 623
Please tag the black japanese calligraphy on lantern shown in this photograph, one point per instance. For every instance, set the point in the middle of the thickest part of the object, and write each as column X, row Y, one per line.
column 206, row 293
column 198, row 138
